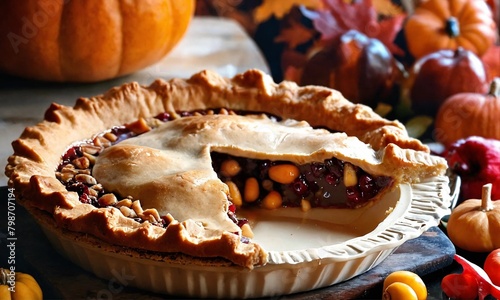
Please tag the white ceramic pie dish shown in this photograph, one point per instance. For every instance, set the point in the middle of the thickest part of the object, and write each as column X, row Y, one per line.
column 307, row 250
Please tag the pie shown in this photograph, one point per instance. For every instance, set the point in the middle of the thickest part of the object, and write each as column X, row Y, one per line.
column 161, row 171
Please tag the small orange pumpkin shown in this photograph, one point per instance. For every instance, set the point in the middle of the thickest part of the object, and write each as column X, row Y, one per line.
column 449, row 24
column 87, row 41
column 469, row 114
column 474, row 224
column 18, row 286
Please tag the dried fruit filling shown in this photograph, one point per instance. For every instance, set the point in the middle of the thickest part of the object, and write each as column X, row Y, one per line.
column 273, row 184
column 251, row 182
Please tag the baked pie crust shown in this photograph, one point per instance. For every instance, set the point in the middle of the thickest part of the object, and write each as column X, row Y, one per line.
column 355, row 134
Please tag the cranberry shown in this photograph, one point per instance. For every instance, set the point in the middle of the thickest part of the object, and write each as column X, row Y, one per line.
column 354, row 196
column 78, row 187
column 165, row 221
column 242, row 222
column 164, row 117
column 366, row 183
column 300, row 186
column 232, row 207
column 335, row 167
column 85, row 198
column 332, row 179
column 120, row 130
column 317, row 169
column 186, row 114
column 71, row 154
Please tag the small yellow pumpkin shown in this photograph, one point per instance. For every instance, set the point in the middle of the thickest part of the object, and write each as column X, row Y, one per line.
column 18, row 286
column 474, row 224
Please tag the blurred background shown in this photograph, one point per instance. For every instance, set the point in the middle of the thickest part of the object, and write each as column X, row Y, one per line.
column 403, row 58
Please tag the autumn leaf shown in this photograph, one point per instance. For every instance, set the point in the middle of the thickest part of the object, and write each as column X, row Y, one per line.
column 388, row 29
column 338, row 16
column 294, row 35
column 418, row 125
column 279, row 8
column 386, row 8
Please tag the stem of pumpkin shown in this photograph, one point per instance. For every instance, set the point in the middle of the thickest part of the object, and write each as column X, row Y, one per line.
column 486, row 204
column 495, row 87
column 452, row 27
column 3, row 277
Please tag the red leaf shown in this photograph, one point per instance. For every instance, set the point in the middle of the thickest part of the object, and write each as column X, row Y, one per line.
column 388, row 29
column 338, row 16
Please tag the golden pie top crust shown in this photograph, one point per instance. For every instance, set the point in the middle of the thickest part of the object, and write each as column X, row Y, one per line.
column 378, row 145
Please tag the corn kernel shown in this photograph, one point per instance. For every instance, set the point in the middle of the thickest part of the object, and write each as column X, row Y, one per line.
column 230, row 168
column 251, row 192
column 234, row 193
column 272, row 200
column 284, row 174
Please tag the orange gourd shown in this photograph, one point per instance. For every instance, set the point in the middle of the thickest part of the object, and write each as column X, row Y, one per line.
column 469, row 114
column 449, row 24
column 474, row 224
column 18, row 286
column 88, row 41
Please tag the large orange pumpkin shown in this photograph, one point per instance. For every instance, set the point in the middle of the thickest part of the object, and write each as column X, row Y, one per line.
column 449, row 24
column 88, row 40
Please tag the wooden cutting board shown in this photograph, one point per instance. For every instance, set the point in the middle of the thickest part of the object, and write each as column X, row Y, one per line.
column 61, row 279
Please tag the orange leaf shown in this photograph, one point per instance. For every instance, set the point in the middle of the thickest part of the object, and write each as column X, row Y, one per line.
column 279, row 8
column 338, row 17
column 294, row 35
column 386, row 8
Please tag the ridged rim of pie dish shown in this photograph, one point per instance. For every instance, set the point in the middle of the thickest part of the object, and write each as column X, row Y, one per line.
column 295, row 271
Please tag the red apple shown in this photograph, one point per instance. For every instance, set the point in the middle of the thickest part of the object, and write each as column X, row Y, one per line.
column 438, row 75
column 477, row 161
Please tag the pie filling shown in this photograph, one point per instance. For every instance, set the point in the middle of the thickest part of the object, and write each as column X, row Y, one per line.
column 251, row 182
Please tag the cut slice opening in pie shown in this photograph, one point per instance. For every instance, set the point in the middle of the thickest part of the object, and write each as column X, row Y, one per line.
column 165, row 168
